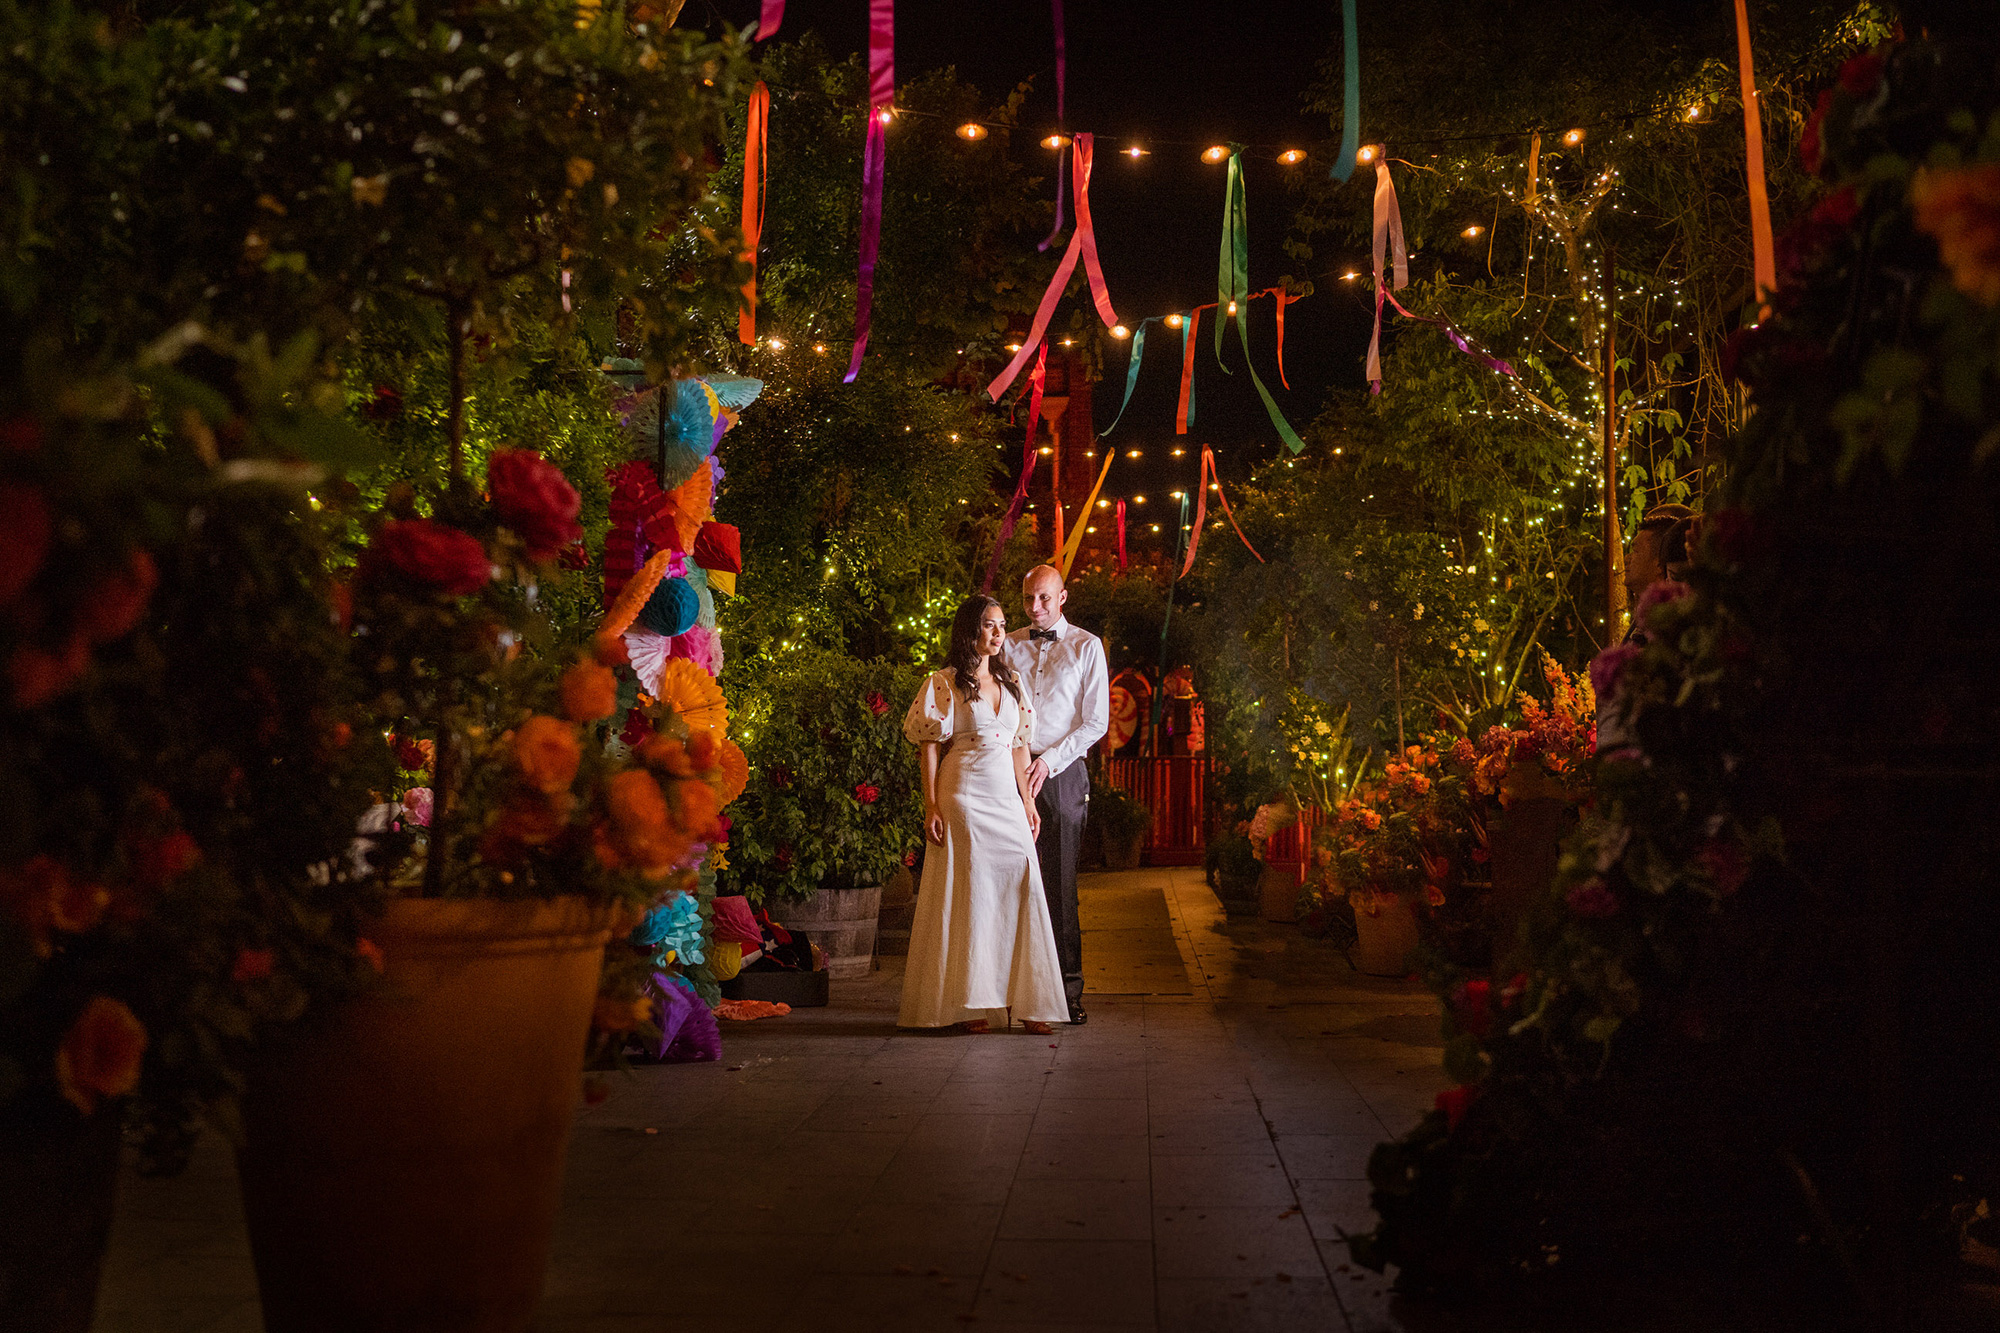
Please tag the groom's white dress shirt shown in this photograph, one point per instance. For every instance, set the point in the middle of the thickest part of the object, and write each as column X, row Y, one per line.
column 1067, row 681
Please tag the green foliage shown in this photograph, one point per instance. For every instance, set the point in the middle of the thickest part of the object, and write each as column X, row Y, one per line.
column 1119, row 816
column 835, row 798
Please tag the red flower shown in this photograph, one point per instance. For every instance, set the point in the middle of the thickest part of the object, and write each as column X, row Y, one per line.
column 1472, row 1006
column 1454, row 1101
column 638, row 729
column 1725, row 863
column 252, row 965
column 535, row 499
column 909, row 859
column 453, row 561
column 1838, row 209
column 384, row 404
column 867, row 794
column 877, row 704
column 783, row 856
column 1593, row 900
column 1812, row 143
column 25, row 528
column 371, row 953
column 158, row 861
column 414, row 755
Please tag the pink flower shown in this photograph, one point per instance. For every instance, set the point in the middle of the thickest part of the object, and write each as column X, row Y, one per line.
column 866, row 793
column 417, row 806
column 535, row 499
column 1592, row 899
column 1658, row 594
column 1607, row 669
column 435, row 553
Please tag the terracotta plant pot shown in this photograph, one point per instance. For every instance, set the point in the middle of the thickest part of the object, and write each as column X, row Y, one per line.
column 58, row 1177
column 403, row 1162
column 1278, row 892
column 1388, row 936
column 1124, row 853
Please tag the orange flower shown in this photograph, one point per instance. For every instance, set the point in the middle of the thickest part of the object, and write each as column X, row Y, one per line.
column 621, row 1015
column 524, row 822
column 589, row 692
column 664, row 754
column 117, row 600
column 632, row 597
column 157, row 861
column 696, row 809
column 642, row 827
column 547, row 753
column 1961, row 208
column 45, row 897
column 693, row 694
column 610, row 650
column 732, row 772
column 100, row 1054
column 701, row 749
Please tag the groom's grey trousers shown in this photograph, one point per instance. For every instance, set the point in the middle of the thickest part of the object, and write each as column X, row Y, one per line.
column 1062, row 802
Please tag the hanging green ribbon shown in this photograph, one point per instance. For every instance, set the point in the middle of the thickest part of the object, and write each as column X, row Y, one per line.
column 1131, row 372
column 1350, row 111
column 1233, row 285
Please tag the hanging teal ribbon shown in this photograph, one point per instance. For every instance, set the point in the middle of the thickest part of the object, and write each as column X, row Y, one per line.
column 1233, row 285
column 1131, row 372
column 1350, row 111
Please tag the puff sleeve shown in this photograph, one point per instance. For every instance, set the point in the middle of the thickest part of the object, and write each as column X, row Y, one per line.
column 932, row 712
column 1024, row 731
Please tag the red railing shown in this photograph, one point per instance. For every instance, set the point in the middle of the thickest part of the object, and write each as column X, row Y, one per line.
column 1175, row 789
column 1290, row 849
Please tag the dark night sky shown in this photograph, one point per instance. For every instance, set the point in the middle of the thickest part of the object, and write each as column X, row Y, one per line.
column 1145, row 73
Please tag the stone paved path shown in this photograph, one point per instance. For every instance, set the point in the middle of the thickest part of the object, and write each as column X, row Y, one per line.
column 1182, row 1162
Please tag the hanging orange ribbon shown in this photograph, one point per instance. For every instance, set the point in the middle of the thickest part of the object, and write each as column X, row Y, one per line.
column 1764, row 255
column 1186, row 413
column 1280, row 293
column 1209, row 478
column 755, row 142
column 1083, row 246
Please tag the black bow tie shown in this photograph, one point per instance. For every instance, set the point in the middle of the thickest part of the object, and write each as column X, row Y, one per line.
column 1048, row 634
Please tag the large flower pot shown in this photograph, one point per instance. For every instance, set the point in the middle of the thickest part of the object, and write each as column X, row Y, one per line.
column 1525, row 842
column 1278, row 892
column 402, row 1162
column 1387, row 931
column 842, row 923
column 58, row 1178
column 1124, row 853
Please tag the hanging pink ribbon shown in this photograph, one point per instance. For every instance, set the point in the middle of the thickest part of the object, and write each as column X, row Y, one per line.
column 1459, row 340
column 881, row 99
column 1208, row 478
column 1082, row 244
column 1388, row 236
column 1121, row 536
column 1028, row 456
column 774, row 14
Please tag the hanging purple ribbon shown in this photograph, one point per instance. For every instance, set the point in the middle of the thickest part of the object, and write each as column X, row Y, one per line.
column 1062, row 120
column 1458, row 340
column 881, row 99
column 774, row 14
column 1028, row 456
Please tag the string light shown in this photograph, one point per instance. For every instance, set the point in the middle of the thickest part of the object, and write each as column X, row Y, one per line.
column 1368, row 153
column 1349, row 276
column 1135, row 152
column 1132, row 453
column 776, row 344
column 1573, row 138
column 1013, row 347
column 1232, row 307
column 1179, row 452
column 1174, row 321
column 1473, row 232
column 820, row 348
column 1215, row 154
column 1056, row 141
column 972, row 131
column 1120, row 331
column 885, row 115
column 1291, row 157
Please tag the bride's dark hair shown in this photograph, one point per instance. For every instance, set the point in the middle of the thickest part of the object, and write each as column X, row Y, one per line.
column 963, row 655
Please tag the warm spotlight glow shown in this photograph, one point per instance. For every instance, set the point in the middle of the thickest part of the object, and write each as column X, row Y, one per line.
column 820, row 348
column 1138, row 499
column 1120, row 331
column 1156, row 527
column 885, row 115
column 1179, row 452
column 1573, row 138
column 1056, row 141
column 1135, row 152
column 1369, row 152
column 1104, row 504
column 1474, row 232
column 1174, row 321
column 1349, row 276
column 1091, row 528
column 1013, row 347
column 1291, row 157
column 1132, row 453
column 1047, row 450
column 1069, row 342
column 1232, row 307
column 776, row 344
column 1215, row 154
column 1694, row 112
column 1180, row 495
column 972, row 131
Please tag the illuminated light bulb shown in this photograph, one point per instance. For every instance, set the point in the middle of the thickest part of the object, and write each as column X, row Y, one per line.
column 1013, row 347
column 972, row 131
column 821, row 349
column 1104, row 504
column 1069, row 342
column 1215, row 154
column 1368, row 153
column 954, row 437
column 1138, row 499
column 776, row 344
column 1131, row 453
column 1120, row 331
column 1573, row 138
column 1056, row 141
column 1473, row 232
column 1694, row 112
column 1180, row 495
column 1291, row 157
column 1090, row 453
column 1349, row 276
column 885, row 115
column 1232, row 307
column 1135, row 152
column 1179, row 452
column 1156, row 527
column 1091, row 528
column 1174, row 321
column 1047, row 450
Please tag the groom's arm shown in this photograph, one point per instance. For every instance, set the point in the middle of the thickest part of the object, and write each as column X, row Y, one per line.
column 1093, row 711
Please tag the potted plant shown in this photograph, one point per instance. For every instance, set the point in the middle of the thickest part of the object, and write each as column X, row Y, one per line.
column 834, row 804
column 403, row 1159
column 1123, row 821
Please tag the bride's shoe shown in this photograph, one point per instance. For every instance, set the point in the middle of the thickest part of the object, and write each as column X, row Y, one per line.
column 1038, row 1028
column 974, row 1026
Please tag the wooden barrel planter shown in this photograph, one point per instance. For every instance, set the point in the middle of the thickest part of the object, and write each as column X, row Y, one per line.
column 1387, row 932
column 403, row 1161
column 58, row 1179
column 842, row 923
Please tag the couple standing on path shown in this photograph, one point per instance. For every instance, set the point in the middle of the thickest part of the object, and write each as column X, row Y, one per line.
column 1004, row 729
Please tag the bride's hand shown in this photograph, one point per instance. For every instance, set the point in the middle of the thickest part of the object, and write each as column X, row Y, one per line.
column 1034, row 819
column 934, row 825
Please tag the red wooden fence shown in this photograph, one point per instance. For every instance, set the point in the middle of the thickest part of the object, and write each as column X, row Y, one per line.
column 1174, row 788
column 1290, row 849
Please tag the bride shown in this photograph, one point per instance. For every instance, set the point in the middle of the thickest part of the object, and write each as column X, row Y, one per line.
column 981, row 946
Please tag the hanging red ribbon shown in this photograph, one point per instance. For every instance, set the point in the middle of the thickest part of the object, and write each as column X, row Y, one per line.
column 1209, row 478
column 881, row 101
column 1388, row 236
column 1279, row 292
column 755, row 142
column 1082, row 244
column 1028, row 456
column 1763, row 255
column 1121, row 536
column 773, row 15
column 1186, row 413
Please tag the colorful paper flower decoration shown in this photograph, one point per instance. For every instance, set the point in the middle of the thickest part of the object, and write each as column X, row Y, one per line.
column 735, row 771
column 672, row 608
column 693, row 695
column 673, row 931
column 648, row 653
column 718, row 548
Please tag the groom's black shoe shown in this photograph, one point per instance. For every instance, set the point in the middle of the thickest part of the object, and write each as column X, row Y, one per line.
column 1076, row 1014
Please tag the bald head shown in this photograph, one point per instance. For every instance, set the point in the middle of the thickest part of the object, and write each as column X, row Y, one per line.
column 1043, row 595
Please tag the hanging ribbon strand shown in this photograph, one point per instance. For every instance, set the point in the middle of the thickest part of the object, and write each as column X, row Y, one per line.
column 755, row 145
column 1075, row 542
column 1121, row 536
column 1083, row 244
column 1209, row 478
column 1185, row 417
column 881, row 100
column 1233, row 292
column 774, row 14
column 1458, row 340
column 1388, row 236
column 1350, row 110
column 1028, row 456
column 1764, row 256
column 1131, row 372
column 1062, row 121
column 1282, row 296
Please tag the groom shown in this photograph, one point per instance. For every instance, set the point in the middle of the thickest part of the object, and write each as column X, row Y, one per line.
column 1064, row 672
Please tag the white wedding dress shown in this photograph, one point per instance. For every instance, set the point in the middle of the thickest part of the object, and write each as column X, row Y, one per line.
column 981, row 942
